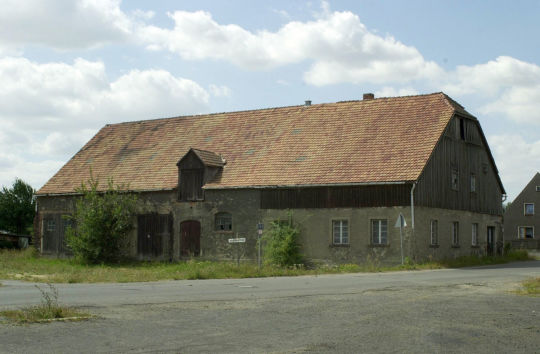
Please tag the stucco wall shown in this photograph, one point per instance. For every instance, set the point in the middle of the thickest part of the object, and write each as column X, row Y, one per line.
column 315, row 226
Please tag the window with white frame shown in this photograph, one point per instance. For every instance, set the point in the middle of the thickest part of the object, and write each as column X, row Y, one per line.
column 473, row 183
column 528, row 208
column 538, row 188
column 379, row 231
column 434, row 232
column 525, row 232
column 340, row 232
column 455, row 233
column 474, row 234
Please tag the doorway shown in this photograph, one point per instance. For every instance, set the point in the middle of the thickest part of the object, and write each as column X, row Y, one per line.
column 190, row 238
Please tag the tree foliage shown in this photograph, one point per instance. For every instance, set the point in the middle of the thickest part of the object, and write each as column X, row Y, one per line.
column 282, row 246
column 17, row 208
column 101, row 223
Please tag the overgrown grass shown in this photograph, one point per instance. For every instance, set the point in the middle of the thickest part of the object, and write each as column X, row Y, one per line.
column 28, row 265
column 48, row 310
column 530, row 287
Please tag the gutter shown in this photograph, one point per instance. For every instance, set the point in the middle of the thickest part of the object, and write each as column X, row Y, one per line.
column 309, row 185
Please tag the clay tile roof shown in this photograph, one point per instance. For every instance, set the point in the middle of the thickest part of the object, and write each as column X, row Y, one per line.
column 382, row 140
column 209, row 158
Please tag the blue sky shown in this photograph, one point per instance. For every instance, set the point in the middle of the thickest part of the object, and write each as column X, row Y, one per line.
column 69, row 67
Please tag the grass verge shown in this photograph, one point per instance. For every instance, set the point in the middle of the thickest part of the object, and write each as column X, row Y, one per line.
column 28, row 265
column 530, row 287
column 49, row 310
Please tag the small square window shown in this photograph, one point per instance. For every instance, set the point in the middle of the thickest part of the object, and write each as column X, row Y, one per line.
column 455, row 233
column 538, row 188
column 223, row 222
column 525, row 232
column 473, row 183
column 434, row 232
column 379, row 231
column 474, row 238
column 340, row 232
column 529, row 208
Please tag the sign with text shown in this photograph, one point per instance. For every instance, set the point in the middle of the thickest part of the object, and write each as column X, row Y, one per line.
column 237, row 240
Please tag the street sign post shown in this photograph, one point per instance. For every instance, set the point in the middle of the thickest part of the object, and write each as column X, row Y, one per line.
column 260, row 228
column 401, row 223
column 238, row 241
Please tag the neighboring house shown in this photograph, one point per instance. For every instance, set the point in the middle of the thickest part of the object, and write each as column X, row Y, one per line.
column 522, row 217
column 345, row 170
column 12, row 240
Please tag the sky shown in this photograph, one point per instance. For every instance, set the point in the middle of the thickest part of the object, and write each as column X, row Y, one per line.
column 69, row 67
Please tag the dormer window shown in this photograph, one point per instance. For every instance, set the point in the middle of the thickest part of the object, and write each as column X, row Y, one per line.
column 195, row 169
column 191, row 182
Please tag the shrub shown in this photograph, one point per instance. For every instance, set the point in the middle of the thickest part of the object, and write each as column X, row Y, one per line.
column 282, row 246
column 101, row 223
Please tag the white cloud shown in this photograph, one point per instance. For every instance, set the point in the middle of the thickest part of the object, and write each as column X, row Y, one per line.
column 389, row 91
column 341, row 48
column 48, row 111
column 505, row 85
column 517, row 160
column 219, row 90
column 63, row 24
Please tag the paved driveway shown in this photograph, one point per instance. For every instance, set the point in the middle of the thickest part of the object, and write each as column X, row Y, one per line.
column 451, row 310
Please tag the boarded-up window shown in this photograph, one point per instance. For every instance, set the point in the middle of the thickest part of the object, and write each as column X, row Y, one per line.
column 455, row 179
column 191, row 182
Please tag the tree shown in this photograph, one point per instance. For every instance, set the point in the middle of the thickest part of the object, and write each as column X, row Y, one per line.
column 17, row 208
column 101, row 223
column 282, row 246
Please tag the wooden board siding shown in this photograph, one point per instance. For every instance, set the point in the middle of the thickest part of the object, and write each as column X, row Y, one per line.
column 336, row 197
column 467, row 156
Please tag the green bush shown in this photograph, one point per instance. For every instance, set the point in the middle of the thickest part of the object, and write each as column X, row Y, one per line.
column 281, row 244
column 101, row 223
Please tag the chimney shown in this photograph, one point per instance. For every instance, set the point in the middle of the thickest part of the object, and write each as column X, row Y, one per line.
column 307, row 103
column 368, row 96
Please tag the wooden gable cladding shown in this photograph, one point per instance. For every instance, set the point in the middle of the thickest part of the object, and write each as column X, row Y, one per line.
column 195, row 169
column 336, row 197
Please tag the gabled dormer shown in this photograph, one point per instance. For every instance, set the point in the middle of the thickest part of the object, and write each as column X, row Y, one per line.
column 195, row 169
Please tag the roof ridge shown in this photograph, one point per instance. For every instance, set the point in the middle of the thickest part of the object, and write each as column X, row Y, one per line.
column 270, row 108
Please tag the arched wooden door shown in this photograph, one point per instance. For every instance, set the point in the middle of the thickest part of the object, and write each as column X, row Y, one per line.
column 190, row 238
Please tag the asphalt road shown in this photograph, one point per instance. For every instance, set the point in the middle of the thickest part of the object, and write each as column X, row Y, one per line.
column 468, row 310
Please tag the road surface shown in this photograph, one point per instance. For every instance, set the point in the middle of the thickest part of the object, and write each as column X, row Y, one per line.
column 452, row 310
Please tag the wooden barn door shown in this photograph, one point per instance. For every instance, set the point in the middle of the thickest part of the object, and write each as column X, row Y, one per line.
column 153, row 232
column 50, row 233
column 190, row 238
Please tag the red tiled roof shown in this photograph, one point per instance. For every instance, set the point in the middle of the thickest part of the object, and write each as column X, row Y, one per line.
column 369, row 141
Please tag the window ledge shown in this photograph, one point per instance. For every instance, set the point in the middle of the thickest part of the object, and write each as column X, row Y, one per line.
column 433, row 246
column 455, row 246
column 475, row 246
column 227, row 232
column 339, row 245
column 378, row 245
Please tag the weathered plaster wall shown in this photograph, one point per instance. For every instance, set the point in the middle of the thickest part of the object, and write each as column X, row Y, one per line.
column 315, row 226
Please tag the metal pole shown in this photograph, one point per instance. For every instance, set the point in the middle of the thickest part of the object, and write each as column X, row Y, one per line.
column 259, row 238
column 401, row 238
